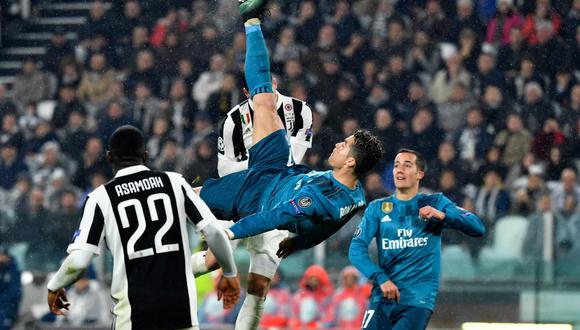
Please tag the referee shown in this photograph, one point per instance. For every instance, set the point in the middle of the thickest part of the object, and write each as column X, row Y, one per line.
column 141, row 216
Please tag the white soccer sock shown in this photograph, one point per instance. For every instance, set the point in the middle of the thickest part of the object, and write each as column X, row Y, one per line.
column 250, row 313
column 198, row 266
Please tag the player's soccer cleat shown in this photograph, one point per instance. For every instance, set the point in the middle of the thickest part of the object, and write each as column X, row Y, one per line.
column 252, row 8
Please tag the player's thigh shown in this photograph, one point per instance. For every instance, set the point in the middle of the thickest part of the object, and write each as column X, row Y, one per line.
column 263, row 248
column 272, row 152
column 376, row 317
column 266, row 119
column 221, row 194
column 411, row 318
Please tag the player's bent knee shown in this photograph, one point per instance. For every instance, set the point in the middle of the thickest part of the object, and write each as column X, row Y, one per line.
column 258, row 285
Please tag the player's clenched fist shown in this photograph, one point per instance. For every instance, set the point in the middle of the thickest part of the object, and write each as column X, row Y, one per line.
column 428, row 212
column 57, row 301
column 390, row 291
column 228, row 289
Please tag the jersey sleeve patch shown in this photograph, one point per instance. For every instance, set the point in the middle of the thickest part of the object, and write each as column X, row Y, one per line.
column 305, row 202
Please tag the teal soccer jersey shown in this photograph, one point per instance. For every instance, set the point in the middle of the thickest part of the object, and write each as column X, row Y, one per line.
column 312, row 204
column 409, row 247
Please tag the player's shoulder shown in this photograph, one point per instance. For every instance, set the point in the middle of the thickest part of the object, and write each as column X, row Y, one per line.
column 381, row 203
column 292, row 100
column 244, row 105
column 173, row 176
column 433, row 199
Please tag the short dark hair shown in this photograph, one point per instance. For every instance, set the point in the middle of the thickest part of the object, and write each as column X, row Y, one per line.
column 420, row 160
column 367, row 150
column 127, row 144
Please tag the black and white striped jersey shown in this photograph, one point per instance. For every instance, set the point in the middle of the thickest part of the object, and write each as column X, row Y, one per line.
column 236, row 130
column 141, row 215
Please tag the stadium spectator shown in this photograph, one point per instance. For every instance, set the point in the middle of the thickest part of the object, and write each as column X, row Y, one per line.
column 11, row 165
column 567, row 187
column 470, row 49
column 144, row 106
column 114, row 116
column 34, row 215
column 550, row 43
column 473, row 139
column 499, row 27
column 222, row 100
column 311, row 299
column 550, row 136
column 307, row 22
column 131, row 18
column 423, row 57
column 444, row 80
column 534, row 108
column 169, row 53
column 446, row 160
column 434, row 20
column 59, row 51
column 170, row 22
column 557, row 162
column 565, row 222
column 6, row 104
column 170, row 159
column 95, row 82
column 543, row 13
column 145, row 71
column 181, row 111
column 30, row 85
column 75, row 133
column 453, row 112
column 209, row 81
column 514, row 141
column 347, row 306
column 11, row 132
column 98, row 23
column 10, row 290
column 277, row 306
column 466, row 18
column 374, row 187
column 385, row 127
column 492, row 200
column 424, row 133
column 487, row 74
column 159, row 133
column 528, row 191
column 236, row 54
column 571, row 113
column 90, row 162
column 66, row 104
column 510, row 56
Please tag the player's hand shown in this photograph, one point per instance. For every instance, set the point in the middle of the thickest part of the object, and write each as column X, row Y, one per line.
column 57, row 301
column 428, row 212
column 286, row 248
column 228, row 289
column 390, row 291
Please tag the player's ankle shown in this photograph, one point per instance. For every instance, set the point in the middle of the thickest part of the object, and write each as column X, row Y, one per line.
column 253, row 21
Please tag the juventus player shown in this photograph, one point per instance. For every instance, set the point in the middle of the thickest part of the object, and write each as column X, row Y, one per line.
column 141, row 216
column 235, row 136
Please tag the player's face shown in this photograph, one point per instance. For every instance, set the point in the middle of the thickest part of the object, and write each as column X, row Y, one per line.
column 405, row 171
column 341, row 154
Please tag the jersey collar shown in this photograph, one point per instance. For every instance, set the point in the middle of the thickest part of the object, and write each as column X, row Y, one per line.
column 131, row 170
column 278, row 101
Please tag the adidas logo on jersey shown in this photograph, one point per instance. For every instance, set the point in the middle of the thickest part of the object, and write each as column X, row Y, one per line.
column 386, row 218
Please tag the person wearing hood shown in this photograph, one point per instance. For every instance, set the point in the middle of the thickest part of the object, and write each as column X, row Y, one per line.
column 312, row 297
column 347, row 306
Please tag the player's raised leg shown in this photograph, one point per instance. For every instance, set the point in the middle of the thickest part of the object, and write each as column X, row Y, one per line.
column 257, row 71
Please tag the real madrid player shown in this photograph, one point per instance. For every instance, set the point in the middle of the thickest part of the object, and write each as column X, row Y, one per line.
column 407, row 227
column 269, row 194
column 235, row 139
column 141, row 216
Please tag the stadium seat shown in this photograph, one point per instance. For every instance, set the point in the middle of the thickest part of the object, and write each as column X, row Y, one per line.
column 456, row 263
column 504, row 256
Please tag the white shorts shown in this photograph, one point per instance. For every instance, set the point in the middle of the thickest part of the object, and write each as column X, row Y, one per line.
column 262, row 248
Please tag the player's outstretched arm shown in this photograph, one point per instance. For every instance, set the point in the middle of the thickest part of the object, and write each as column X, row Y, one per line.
column 72, row 268
column 307, row 241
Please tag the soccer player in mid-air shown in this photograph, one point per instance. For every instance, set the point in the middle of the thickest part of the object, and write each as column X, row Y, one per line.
column 141, row 215
column 269, row 194
column 235, row 139
column 407, row 227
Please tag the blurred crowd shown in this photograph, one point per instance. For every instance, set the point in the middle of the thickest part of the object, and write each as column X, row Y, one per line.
column 487, row 91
